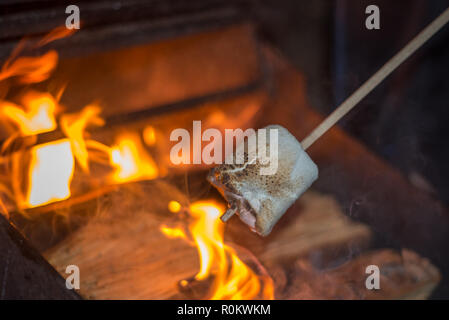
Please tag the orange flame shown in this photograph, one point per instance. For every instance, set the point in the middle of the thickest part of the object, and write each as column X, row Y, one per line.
column 51, row 166
column 74, row 125
column 38, row 115
column 34, row 69
column 233, row 279
column 131, row 161
column 57, row 33
column 30, row 69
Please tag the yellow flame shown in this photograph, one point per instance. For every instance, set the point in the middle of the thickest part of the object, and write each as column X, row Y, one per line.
column 233, row 279
column 51, row 172
column 131, row 161
column 74, row 125
column 173, row 233
column 38, row 115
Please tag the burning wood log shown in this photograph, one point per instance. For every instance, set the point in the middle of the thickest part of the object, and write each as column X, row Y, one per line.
column 122, row 253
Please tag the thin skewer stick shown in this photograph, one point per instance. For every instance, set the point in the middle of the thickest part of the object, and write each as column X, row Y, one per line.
column 375, row 79
column 229, row 213
column 367, row 87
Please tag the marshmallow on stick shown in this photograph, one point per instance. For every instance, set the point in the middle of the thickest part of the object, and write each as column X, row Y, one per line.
column 261, row 200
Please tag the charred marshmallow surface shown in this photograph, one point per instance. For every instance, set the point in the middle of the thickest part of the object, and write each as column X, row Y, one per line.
column 261, row 200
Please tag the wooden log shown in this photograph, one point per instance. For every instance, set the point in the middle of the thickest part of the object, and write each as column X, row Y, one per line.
column 316, row 224
column 121, row 252
column 403, row 275
column 123, row 255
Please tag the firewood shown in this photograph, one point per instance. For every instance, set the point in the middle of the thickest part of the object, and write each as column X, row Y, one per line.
column 403, row 275
column 122, row 254
column 314, row 224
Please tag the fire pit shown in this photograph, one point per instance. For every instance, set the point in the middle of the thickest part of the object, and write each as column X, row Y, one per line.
column 86, row 176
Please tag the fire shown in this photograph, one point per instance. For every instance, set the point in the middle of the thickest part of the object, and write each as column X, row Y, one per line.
column 51, row 165
column 37, row 116
column 131, row 161
column 173, row 233
column 233, row 279
column 30, row 69
column 57, row 33
column 74, row 125
column 51, row 171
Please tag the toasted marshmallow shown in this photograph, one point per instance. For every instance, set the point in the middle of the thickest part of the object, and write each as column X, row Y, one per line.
column 261, row 199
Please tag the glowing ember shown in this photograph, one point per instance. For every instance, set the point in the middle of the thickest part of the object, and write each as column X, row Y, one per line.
column 174, row 206
column 173, row 233
column 149, row 136
column 232, row 278
column 131, row 161
column 51, row 171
